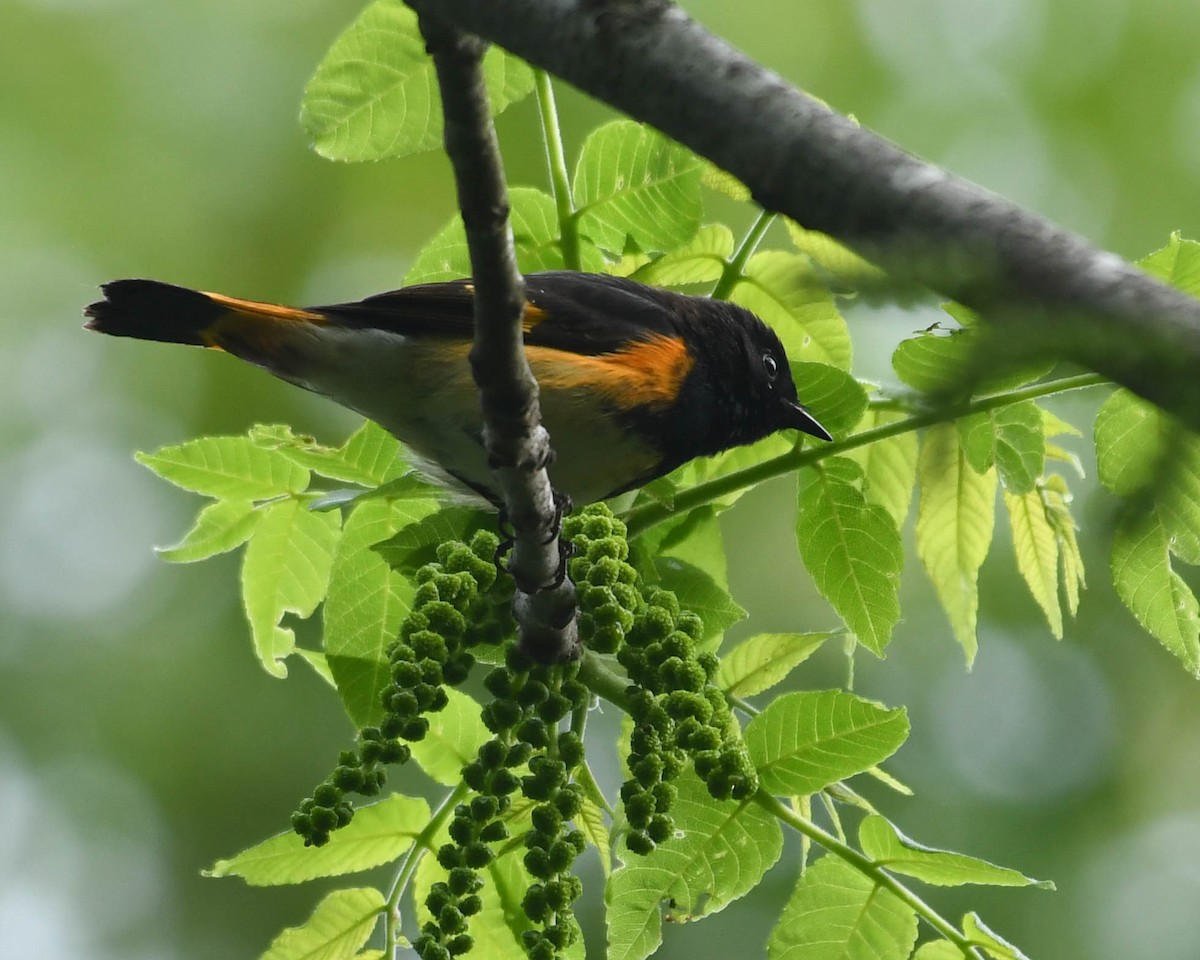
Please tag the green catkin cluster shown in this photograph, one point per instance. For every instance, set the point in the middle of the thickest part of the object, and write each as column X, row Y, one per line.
column 678, row 714
column 530, row 701
column 451, row 613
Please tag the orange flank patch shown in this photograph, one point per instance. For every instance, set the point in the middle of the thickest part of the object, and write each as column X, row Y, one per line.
column 646, row 373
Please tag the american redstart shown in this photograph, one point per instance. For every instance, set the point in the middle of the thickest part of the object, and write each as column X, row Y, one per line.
column 635, row 381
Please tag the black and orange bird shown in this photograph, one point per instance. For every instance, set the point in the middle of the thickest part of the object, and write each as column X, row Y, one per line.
column 634, row 380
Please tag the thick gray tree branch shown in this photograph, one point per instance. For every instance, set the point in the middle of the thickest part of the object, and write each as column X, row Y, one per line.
column 1045, row 290
column 518, row 446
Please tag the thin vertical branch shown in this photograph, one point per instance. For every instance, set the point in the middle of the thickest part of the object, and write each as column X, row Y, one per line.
column 518, row 446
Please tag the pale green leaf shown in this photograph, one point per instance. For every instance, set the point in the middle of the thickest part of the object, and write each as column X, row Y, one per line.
column 702, row 259
column 1009, row 437
column 844, row 268
column 699, row 593
column 416, row 543
column 285, row 570
column 783, row 290
column 721, row 852
column 342, row 923
column 365, row 604
column 890, row 465
column 534, row 221
column 996, row 946
column 1035, row 542
column 831, row 395
column 1178, row 263
column 631, row 181
column 851, row 548
column 591, row 822
column 836, row 913
column 889, row 848
column 1153, row 592
column 1129, row 443
column 229, row 468
column 703, row 469
column 320, row 666
column 938, row 950
column 454, row 738
column 762, row 661
column 724, row 182
column 693, row 537
column 955, row 518
column 806, row 740
column 1058, row 510
column 370, row 456
column 950, row 361
column 375, row 95
column 219, row 527
column 379, row 833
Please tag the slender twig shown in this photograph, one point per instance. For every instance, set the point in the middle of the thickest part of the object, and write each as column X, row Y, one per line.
column 641, row 518
column 1047, row 288
column 518, row 447
column 735, row 267
column 556, row 163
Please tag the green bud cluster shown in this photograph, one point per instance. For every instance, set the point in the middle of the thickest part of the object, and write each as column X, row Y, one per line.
column 606, row 584
column 451, row 612
column 529, row 755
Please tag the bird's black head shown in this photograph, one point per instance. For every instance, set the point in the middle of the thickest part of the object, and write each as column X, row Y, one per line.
column 741, row 379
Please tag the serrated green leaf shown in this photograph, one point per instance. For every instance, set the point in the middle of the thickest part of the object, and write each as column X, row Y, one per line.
column 342, row 923
column 365, row 604
column 219, row 528
column 455, row 736
column 700, row 593
column 997, row 947
column 1036, row 545
column 285, row 570
column 1057, row 498
column 369, row 457
column 844, row 268
column 591, row 822
column 836, row 913
column 723, row 181
column 1010, row 437
column 416, row 543
column 721, row 852
column 320, row 666
column 693, row 537
column 1153, row 592
column 940, row 361
column 955, row 518
column 760, row 662
column 831, row 395
column 228, row 468
column 375, row 93
column 889, row 848
column 701, row 260
column 806, row 740
column 851, row 548
column 534, row 221
column 379, row 833
column 1129, row 443
column 782, row 289
column 631, row 181
column 890, row 465
column 1178, row 263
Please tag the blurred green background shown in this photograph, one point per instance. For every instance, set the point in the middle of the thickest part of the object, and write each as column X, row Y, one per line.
column 139, row 741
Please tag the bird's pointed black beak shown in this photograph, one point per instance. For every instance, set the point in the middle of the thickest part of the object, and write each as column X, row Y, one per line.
column 796, row 417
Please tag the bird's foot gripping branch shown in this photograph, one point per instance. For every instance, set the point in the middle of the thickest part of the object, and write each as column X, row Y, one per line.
column 678, row 404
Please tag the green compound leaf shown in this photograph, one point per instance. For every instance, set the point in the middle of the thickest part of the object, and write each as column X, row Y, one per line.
column 889, row 848
column 851, row 548
column 219, row 528
column 722, row 851
column 285, row 570
column 783, row 290
column 762, row 661
column 369, row 457
column 534, row 221
column 1130, row 442
column 1012, row 439
column 1035, row 541
column 836, row 913
column 805, row 741
column 375, row 95
column 890, row 465
column 831, row 395
column 1154, row 593
column 631, row 181
column 455, row 736
column 365, row 604
column 698, row 592
column 342, row 923
column 955, row 518
column 379, row 833
column 1178, row 263
column 700, row 260
column 229, row 468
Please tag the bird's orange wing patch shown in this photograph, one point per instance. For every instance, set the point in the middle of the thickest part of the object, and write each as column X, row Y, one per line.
column 647, row 372
column 250, row 322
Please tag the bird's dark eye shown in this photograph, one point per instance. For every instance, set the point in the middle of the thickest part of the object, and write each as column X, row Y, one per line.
column 771, row 365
